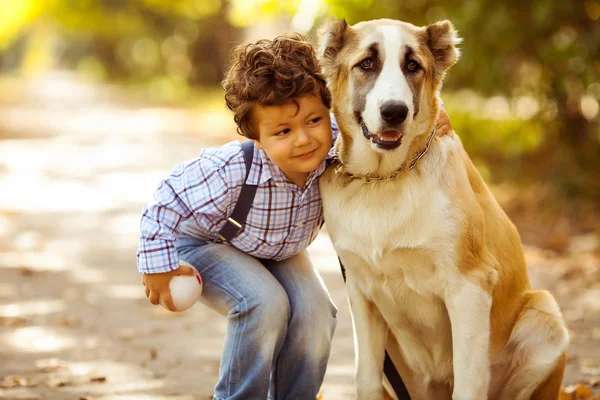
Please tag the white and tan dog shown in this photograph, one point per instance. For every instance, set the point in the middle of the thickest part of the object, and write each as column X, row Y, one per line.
column 434, row 266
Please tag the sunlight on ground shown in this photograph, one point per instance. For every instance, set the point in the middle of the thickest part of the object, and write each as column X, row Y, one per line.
column 33, row 339
column 29, row 308
column 42, row 261
column 121, row 377
column 130, row 292
column 83, row 274
column 132, row 385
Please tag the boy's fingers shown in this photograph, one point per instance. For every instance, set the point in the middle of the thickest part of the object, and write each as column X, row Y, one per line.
column 186, row 268
column 442, row 130
column 168, row 301
column 153, row 297
column 147, row 292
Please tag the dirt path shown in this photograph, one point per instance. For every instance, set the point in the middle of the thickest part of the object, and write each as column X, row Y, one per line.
column 74, row 322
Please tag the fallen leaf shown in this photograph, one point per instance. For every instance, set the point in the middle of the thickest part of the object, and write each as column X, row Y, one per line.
column 18, row 381
column 583, row 392
column 68, row 321
column 13, row 322
column 26, row 271
column 50, row 364
column 58, row 381
column 98, row 379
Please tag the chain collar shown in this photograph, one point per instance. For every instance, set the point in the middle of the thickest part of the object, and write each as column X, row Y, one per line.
column 340, row 167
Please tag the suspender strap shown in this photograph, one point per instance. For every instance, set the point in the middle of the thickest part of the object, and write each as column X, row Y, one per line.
column 235, row 223
column 389, row 369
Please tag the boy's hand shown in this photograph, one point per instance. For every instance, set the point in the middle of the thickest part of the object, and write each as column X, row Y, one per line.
column 157, row 285
column 443, row 125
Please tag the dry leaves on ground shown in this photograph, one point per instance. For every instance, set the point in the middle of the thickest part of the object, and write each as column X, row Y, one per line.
column 577, row 392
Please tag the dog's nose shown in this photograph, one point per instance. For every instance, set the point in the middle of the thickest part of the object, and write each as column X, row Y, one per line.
column 394, row 112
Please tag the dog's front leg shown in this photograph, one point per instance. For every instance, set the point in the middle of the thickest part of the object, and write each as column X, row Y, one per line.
column 370, row 331
column 469, row 312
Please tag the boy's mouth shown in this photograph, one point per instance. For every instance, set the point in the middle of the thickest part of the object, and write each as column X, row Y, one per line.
column 308, row 154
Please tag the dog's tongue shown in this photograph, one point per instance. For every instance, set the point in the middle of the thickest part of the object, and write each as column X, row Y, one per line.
column 389, row 135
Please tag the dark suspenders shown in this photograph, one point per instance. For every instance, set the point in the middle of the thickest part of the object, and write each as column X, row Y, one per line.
column 236, row 221
column 235, row 224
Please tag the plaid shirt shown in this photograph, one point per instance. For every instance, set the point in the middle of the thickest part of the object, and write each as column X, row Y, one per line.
column 199, row 195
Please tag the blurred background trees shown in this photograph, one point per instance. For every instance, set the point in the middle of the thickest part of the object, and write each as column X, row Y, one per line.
column 524, row 96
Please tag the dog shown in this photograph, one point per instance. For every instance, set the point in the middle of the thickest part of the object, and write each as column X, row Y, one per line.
column 435, row 269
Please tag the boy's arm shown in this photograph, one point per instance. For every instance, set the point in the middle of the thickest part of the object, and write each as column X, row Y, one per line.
column 443, row 125
column 192, row 190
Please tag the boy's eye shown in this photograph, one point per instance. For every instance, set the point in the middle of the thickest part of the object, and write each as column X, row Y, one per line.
column 315, row 120
column 283, row 132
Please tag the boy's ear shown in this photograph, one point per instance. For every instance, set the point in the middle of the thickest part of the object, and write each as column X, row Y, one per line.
column 332, row 37
column 442, row 41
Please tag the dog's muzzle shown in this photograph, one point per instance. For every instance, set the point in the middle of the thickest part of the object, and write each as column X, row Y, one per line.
column 376, row 139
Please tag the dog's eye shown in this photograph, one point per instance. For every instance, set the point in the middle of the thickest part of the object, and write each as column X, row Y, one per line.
column 412, row 65
column 366, row 64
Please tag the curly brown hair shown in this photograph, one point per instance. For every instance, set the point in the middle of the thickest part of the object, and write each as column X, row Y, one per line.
column 271, row 72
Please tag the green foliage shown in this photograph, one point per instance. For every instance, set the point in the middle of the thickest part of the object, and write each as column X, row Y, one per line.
column 531, row 67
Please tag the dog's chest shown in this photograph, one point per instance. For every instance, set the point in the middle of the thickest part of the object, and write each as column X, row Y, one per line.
column 403, row 239
column 375, row 219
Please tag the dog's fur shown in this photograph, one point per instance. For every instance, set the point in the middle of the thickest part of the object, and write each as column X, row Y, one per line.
column 434, row 266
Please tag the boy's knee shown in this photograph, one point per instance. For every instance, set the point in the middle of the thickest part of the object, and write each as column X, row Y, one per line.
column 270, row 308
column 317, row 322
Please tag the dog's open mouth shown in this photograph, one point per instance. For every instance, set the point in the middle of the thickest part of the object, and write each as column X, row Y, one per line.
column 388, row 139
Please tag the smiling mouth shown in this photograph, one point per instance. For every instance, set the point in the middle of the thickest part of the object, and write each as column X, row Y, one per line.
column 306, row 155
column 388, row 139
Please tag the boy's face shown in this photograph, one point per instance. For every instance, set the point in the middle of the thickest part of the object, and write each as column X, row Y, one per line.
column 296, row 137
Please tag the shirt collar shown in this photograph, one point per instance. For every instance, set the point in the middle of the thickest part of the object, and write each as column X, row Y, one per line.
column 259, row 171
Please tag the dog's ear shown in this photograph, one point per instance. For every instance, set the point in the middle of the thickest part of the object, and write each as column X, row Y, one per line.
column 331, row 40
column 442, row 41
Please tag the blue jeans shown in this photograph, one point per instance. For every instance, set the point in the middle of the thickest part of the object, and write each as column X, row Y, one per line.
column 280, row 321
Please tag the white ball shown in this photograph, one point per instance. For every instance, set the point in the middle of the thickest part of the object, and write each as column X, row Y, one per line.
column 185, row 290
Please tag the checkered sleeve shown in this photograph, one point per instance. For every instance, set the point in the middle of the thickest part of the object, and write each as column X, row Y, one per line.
column 335, row 130
column 194, row 189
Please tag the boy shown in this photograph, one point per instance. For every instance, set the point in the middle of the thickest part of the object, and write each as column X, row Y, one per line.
column 280, row 316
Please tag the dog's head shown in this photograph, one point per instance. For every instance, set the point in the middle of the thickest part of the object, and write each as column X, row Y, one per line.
column 384, row 76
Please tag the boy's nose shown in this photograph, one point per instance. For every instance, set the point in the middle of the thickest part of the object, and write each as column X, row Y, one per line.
column 302, row 137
